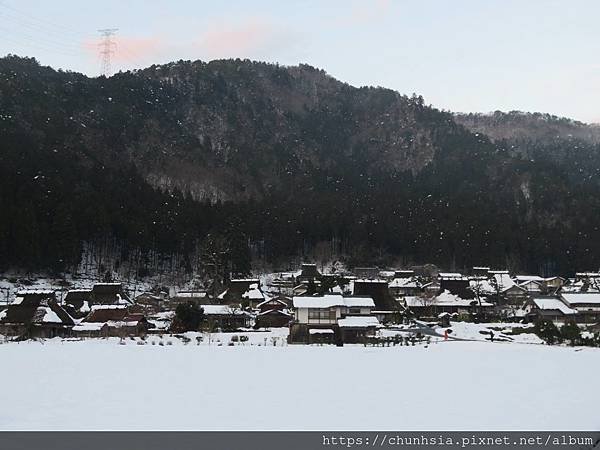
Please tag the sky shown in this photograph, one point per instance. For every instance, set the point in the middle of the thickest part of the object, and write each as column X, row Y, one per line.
column 460, row 55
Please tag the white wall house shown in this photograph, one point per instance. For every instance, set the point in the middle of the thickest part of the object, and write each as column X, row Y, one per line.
column 329, row 308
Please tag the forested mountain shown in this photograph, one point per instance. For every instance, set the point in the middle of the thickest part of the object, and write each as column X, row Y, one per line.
column 195, row 162
column 524, row 126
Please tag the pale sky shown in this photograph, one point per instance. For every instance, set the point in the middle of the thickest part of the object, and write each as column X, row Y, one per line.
column 461, row 55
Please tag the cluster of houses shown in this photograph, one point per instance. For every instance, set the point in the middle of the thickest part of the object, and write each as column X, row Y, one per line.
column 340, row 307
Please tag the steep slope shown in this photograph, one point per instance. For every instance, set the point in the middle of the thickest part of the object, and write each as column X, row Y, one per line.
column 285, row 160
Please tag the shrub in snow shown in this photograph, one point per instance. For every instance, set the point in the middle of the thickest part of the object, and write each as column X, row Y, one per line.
column 571, row 333
column 243, row 338
column 547, row 331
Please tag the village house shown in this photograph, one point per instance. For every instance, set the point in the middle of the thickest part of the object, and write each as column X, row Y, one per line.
column 113, row 320
column 151, row 302
column 553, row 284
column 406, row 273
column 388, row 275
column 401, row 287
column 308, row 273
column 480, row 271
column 545, row 307
column 586, row 304
column 446, row 302
column 366, row 272
column 236, row 288
column 533, row 286
column 325, row 312
column 181, row 297
column 109, row 294
column 253, row 296
column 273, row 312
column 283, row 283
column 35, row 314
column 77, row 302
column 376, row 289
column 226, row 317
column 455, row 283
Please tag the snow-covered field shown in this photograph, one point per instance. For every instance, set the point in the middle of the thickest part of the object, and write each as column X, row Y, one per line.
column 101, row 385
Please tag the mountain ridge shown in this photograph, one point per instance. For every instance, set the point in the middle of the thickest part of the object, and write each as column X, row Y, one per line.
column 290, row 159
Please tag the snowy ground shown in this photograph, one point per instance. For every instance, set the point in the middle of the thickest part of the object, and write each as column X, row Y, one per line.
column 99, row 384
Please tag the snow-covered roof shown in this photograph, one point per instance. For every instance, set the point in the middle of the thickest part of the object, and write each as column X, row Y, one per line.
column 403, row 283
column 552, row 304
column 450, row 275
column 581, row 298
column 524, row 278
column 44, row 314
column 358, row 322
column 273, row 299
column 18, row 300
column 221, row 310
column 190, row 294
column 387, row 273
column 320, row 331
column 122, row 323
column 331, row 300
column 23, row 292
column 253, row 293
column 356, row 302
column 483, row 286
column 503, row 280
column 98, row 307
column 89, row 326
column 444, row 299
column 531, row 285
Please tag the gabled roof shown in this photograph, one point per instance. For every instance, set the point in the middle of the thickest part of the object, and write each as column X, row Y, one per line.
column 404, row 283
column 282, row 312
column 253, row 293
column 581, row 298
column 358, row 322
column 35, row 310
column 524, row 278
column 105, row 313
column 553, row 304
column 331, row 300
column 451, row 275
column 272, row 300
column 216, row 310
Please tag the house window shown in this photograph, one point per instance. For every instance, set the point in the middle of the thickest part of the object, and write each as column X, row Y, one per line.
column 321, row 315
column 354, row 311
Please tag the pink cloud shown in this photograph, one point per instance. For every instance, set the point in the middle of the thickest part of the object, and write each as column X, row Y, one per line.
column 129, row 49
column 247, row 39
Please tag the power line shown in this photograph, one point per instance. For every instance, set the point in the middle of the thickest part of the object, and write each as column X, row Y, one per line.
column 47, row 24
column 107, row 48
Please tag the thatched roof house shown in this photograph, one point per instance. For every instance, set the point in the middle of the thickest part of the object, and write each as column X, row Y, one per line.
column 35, row 314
